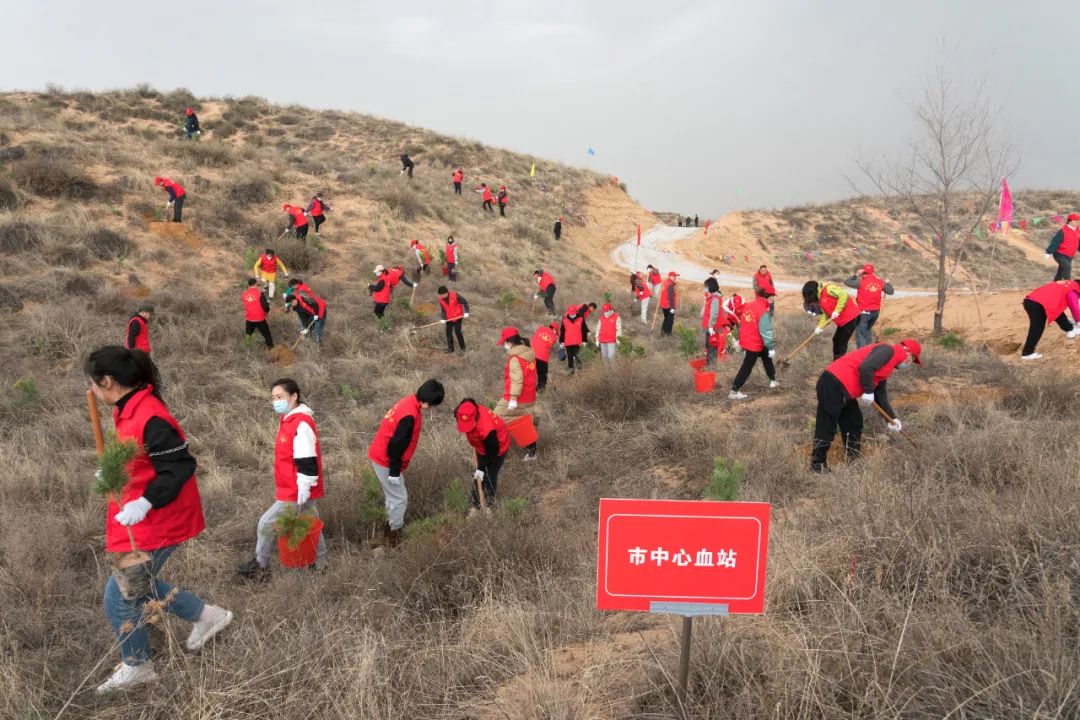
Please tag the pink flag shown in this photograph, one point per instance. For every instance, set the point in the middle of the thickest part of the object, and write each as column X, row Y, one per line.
column 1005, row 207
column 707, row 224
column 1056, row 219
column 639, row 234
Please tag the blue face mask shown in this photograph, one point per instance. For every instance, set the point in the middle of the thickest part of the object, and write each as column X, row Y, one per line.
column 281, row 406
column 904, row 365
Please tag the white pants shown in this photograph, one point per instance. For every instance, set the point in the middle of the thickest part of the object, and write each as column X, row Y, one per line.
column 607, row 351
column 397, row 498
column 267, row 540
column 645, row 310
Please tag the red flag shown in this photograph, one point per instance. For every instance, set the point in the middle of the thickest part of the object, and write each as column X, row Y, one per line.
column 707, row 224
column 639, row 234
column 1023, row 224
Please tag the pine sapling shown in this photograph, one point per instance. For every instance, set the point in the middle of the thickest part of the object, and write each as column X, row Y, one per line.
column 293, row 526
column 112, row 475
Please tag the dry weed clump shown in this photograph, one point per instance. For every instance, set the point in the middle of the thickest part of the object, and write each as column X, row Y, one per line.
column 53, row 177
column 19, row 236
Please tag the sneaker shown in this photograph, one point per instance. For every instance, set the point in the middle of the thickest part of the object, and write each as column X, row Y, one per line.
column 773, row 384
column 393, row 538
column 736, row 395
column 530, row 456
column 1032, row 356
column 128, row 676
column 252, row 570
column 212, row 621
column 1071, row 335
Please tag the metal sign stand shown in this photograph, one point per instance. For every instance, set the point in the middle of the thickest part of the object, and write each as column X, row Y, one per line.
column 688, row 611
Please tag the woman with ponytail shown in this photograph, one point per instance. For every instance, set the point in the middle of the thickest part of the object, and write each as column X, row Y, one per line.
column 158, row 509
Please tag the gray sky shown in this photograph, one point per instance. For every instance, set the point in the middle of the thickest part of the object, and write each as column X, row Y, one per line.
column 685, row 101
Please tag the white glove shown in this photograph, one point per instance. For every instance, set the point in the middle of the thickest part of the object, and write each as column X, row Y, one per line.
column 466, row 315
column 133, row 512
column 303, row 491
column 478, row 475
column 772, row 354
column 561, row 346
column 834, row 315
column 1047, row 256
column 711, row 331
column 285, row 274
column 818, row 330
column 304, row 331
column 895, row 425
column 443, row 321
column 536, row 296
column 512, row 405
column 867, row 399
column 394, row 479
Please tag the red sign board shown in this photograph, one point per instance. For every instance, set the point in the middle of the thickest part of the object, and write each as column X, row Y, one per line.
column 677, row 551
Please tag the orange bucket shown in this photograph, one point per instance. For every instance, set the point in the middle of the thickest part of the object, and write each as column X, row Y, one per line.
column 303, row 555
column 522, row 430
column 698, row 364
column 704, row 381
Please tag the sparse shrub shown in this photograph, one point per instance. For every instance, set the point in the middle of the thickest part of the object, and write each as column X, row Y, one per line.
column 689, row 345
column 515, row 507
column 17, row 237
column 889, row 331
column 9, row 199
column 726, row 482
column 251, row 189
column 628, row 349
column 506, row 299
column 53, row 178
column 950, row 341
column 402, row 201
column 211, row 153
column 108, row 245
column 297, row 255
column 10, row 300
column 26, row 391
column 455, row 498
column 424, row 527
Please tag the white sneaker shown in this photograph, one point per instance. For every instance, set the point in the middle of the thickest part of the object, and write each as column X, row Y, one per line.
column 1032, row 356
column 774, row 384
column 128, row 676
column 214, row 620
column 736, row 395
column 1071, row 335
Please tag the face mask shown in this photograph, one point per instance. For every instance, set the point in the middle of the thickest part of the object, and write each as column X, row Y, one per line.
column 904, row 365
column 281, row 406
column 506, row 347
column 813, row 308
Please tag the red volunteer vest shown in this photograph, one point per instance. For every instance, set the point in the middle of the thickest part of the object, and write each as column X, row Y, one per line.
column 487, row 194
column 394, row 276
column 1070, row 243
column 642, row 291
column 142, row 340
column 180, row 520
column 451, row 253
column 606, row 332
column 299, row 218
column 424, row 254
column 707, row 311
column 176, row 188
column 383, row 296
column 1053, row 297
column 486, row 421
column 451, row 306
column 503, row 198
column 766, row 283
column 253, row 309
column 749, row 316
column 285, row 464
column 828, row 304
column 406, row 407
column 654, row 277
column 542, row 341
column 528, row 381
column 544, row 280
column 268, row 263
column 846, row 368
column 871, row 289
column 458, row 177
column 572, row 330
column 664, row 302
column 316, row 207
column 309, row 301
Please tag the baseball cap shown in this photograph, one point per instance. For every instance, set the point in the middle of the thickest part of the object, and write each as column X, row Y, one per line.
column 507, row 333
column 912, row 346
column 466, row 416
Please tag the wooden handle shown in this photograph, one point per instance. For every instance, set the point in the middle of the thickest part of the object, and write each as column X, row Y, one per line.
column 803, row 344
column 95, row 422
column 889, row 418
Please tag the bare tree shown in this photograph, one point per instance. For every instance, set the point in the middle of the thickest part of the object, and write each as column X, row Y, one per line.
column 958, row 155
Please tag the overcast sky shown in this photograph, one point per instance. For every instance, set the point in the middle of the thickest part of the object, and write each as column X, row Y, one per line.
column 688, row 102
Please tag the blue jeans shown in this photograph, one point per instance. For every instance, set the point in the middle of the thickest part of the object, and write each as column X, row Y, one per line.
column 863, row 336
column 126, row 616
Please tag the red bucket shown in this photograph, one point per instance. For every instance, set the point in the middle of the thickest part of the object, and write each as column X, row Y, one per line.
column 522, row 430
column 698, row 364
column 704, row 381
column 445, row 269
column 303, row 555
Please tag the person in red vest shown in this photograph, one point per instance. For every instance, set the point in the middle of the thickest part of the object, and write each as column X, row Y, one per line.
column 396, row 275
column 423, row 258
column 504, row 198
column 157, row 511
column 458, row 178
column 266, row 267
column 756, row 340
column 655, row 279
column 519, row 383
column 732, row 306
column 1063, row 246
column 317, row 210
column 454, row 309
column 541, row 343
column 452, row 260
column 1046, row 304
column 712, row 313
column 668, row 303
column 573, row 333
column 763, row 285
column 393, row 447
column 831, row 301
column 138, row 329
column 176, row 195
column 297, row 220
column 385, row 281
column 870, row 289
column 298, row 475
column 309, row 307
column 191, row 125
column 490, row 441
column 608, row 330
column 642, row 294
column 256, row 309
column 486, row 196
column 545, row 284
column 859, row 376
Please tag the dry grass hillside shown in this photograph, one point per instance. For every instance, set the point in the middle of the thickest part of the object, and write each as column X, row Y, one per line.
column 936, row 582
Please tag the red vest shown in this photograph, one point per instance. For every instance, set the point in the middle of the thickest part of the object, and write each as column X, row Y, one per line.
column 178, row 191
column 316, row 207
column 268, row 263
column 452, row 307
column 528, row 381
column 871, row 289
column 142, row 340
column 749, row 333
column 828, row 304
column 606, row 332
column 393, row 275
column 406, row 407
column 253, row 309
column 765, row 283
column 642, row 291
column 503, row 198
column 383, row 296
column 1053, row 297
column 544, row 280
column 664, row 301
column 541, row 342
column 180, row 520
column 846, row 368
column 487, row 194
column 1070, row 242
column 424, row 253
column 654, row 277
column 572, row 330
column 311, row 303
column 299, row 218
column 486, row 421
column 451, row 253
column 707, row 311
column 458, row 176
column 285, row 464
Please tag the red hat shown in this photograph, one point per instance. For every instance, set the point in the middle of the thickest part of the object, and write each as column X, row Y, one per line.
column 868, row 269
column 554, row 325
column 466, row 416
column 673, row 274
column 507, row 333
column 912, row 346
column 189, row 111
column 285, row 207
column 412, row 242
column 502, row 187
column 605, row 307
column 1072, row 216
column 158, row 180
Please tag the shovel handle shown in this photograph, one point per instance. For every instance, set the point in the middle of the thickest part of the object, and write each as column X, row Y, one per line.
column 794, row 352
column 889, row 418
column 303, row 335
column 95, row 422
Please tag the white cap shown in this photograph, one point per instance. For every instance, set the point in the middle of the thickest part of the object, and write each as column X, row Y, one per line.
column 379, row 269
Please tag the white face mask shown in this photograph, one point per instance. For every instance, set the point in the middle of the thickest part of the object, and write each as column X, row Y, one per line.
column 506, row 347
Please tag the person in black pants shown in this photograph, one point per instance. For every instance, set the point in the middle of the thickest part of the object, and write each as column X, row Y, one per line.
column 558, row 229
column 454, row 309
column 407, row 165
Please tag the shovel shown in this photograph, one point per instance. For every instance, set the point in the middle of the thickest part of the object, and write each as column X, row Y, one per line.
column 885, row 415
column 787, row 361
column 413, row 295
column 417, row 328
column 303, row 335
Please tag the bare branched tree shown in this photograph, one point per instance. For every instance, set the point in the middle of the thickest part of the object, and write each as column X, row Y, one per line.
column 959, row 154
